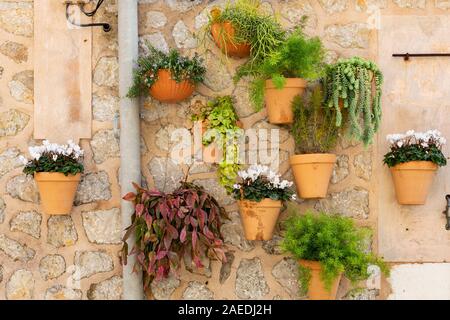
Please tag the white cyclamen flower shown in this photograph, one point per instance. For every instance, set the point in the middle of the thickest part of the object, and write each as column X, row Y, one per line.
column 55, row 157
column 236, row 186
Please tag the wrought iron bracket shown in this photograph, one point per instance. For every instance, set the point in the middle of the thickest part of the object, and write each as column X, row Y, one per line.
column 447, row 212
column 81, row 5
column 407, row 56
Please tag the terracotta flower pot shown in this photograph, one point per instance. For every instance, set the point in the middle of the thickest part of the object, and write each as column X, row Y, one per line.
column 316, row 288
column 279, row 101
column 167, row 90
column 412, row 180
column 57, row 191
column 259, row 218
column 312, row 173
column 223, row 35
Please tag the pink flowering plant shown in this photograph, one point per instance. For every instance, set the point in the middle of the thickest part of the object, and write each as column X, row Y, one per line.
column 415, row 146
column 53, row 157
column 259, row 182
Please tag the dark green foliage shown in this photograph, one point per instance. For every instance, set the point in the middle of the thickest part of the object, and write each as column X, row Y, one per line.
column 64, row 164
column 222, row 121
column 261, row 189
column 170, row 227
column 260, row 30
column 314, row 128
column 297, row 57
column 357, row 83
column 332, row 240
column 181, row 68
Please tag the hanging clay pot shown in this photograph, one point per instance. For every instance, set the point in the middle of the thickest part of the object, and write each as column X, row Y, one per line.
column 412, row 181
column 259, row 218
column 57, row 191
column 316, row 287
column 312, row 173
column 167, row 90
column 223, row 35
column 279, row 101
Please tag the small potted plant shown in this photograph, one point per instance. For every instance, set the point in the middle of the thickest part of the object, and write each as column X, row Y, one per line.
column 184, row 224
column 327, row 246
column 57, row 171
column 168, row 78
column 315, row 134
column 221, row 130
column 282, row 75
column 413, row 159
column 260, row 195
column 353, row 88
column 243, row 29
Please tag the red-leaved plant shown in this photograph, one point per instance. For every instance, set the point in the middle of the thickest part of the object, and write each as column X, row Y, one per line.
column 182, row 224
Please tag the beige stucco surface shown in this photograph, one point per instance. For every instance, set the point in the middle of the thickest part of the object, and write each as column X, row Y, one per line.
column 416, row 96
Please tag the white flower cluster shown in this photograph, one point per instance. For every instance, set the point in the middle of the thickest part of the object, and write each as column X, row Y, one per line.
column 411, row 137
column 70, row 149
column 256, row 171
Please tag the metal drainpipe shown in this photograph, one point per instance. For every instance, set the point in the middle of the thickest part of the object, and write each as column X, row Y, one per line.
column 130, row 153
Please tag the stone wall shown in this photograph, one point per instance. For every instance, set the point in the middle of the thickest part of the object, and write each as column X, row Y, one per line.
column 38, row 254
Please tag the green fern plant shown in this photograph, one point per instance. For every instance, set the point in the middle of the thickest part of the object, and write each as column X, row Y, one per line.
column 355, row 85
column 314, row 129
column 297, row 57
column 222, row 119
column 332, row 240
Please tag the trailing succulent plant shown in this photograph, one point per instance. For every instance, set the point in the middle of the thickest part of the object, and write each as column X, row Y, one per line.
column 355, row 86
column 332, row 240
column 314, row 129
column 181, row 68
column 260, row 30
column 296, row 57
column 184, row 224
column 222, row 124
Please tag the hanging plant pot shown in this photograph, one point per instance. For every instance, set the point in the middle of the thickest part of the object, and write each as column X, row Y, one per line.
column 223, row 35
column 167, row 90
column 312, row 173
column 279, row 101
column 57, row 191
column 412, row 181
column 316, row 287
column 259, row 218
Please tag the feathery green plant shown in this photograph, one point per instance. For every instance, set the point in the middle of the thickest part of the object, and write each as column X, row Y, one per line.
column 358, row 84
column 297, row 57
column 332, row 240
column 314, row 128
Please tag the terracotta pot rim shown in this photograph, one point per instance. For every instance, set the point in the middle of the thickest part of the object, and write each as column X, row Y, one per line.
column 266, row 202
column 312, row 264
column 415, row 165
column 312, row 158
column 56, row 176
column 170, row 75
column 290, row 83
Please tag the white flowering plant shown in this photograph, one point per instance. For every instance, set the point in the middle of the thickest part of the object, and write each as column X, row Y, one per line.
column 415, row 146
column 259, row 182
column 53, row 157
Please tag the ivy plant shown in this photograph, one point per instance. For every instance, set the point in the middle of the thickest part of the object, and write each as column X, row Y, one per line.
column 314, row 128
column 181, row 68
column 296, row 57
column 222, row 125
column 259, row 29
column 332, row 240
column 168, row 227
column 353, row 89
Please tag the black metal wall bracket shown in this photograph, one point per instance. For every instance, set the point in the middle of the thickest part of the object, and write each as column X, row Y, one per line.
column 407, row 55
column 447, row 212
column 81, row 5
